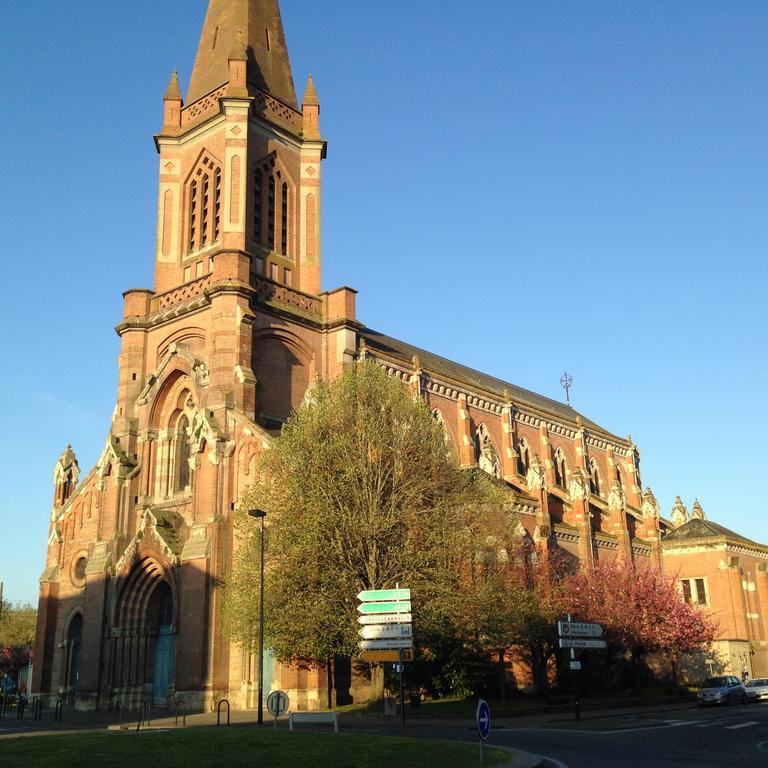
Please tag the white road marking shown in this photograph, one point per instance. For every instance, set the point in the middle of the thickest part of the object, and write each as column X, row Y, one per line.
column 741, row 725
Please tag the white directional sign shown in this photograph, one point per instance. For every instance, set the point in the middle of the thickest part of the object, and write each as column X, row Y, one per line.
column 386, row 618
column 385, row 631
column 581, row 642
column 383, row 594
column 578, row 629
column 385, row 645
column 390, row 607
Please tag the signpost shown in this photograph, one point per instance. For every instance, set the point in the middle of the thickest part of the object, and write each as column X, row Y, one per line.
column 386, row 631
column 578, row 629
column 392, row 607
column 581, row 642
column 573, row 635
column 483, row 720
column 277, row 704
column 383, row 657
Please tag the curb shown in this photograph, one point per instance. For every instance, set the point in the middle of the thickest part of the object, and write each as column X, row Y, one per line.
column 522, row 759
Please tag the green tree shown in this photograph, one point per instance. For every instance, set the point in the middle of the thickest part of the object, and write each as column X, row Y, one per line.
column 360, row 493
column 17, row 633
column 17, row 625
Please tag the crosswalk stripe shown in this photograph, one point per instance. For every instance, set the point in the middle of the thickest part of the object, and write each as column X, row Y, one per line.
column 740, row 725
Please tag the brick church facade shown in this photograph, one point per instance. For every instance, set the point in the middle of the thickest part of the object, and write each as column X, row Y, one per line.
column 212, row 361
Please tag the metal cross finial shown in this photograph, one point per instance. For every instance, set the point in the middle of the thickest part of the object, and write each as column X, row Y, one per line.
column 566, row 380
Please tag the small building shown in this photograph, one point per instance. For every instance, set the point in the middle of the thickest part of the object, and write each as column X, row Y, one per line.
column 727, row 574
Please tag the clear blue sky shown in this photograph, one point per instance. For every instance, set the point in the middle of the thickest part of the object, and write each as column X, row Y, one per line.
column 524, row 187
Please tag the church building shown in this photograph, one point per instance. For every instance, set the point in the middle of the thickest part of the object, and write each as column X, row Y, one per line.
column 214, row 358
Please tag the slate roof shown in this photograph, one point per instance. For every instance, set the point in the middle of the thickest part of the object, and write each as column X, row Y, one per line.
column 461, row 374
column 702, row 529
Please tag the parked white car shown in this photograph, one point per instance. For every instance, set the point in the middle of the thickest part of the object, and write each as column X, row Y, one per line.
column 725, row 689
column 757, row 689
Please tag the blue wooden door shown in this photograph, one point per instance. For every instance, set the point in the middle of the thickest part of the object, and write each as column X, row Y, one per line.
column 163, row 663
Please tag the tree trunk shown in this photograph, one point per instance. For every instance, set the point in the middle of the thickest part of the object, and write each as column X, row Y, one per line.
column 502, row 676
column 377, row 682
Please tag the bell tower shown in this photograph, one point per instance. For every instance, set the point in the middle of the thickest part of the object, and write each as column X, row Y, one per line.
column 240, row 163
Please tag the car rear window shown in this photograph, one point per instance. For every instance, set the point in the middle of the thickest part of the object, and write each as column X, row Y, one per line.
column 757, row 681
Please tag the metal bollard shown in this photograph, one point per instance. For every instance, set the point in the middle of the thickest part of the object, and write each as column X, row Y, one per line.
column 218, row 714
column 20, row 707
column 118, row 707
column 37, row 709
column 58, row 714
column 180, row 706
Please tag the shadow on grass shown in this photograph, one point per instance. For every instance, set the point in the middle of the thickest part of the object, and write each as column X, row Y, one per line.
column 238, row 748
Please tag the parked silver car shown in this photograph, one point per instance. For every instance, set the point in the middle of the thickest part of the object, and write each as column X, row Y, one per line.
column 722, row 690
column 757, row 689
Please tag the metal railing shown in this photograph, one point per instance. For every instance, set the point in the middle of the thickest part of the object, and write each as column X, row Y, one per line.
column 145, row 715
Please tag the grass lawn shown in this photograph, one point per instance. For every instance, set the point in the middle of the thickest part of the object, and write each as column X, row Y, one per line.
column 237, row 747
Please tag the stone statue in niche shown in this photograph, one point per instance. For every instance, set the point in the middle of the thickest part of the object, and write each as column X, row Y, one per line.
column 488, row 459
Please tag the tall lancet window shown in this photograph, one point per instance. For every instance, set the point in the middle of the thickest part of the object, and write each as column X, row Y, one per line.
column 204, row 204
column 594, row 478
column 182, row 455
column 271, row 207
column 284, row 221
column 258, row 191
column 523, row 457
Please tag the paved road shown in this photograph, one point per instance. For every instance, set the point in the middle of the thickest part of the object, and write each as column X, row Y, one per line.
column 681, row 737
column 684, row 738
column 737, row 736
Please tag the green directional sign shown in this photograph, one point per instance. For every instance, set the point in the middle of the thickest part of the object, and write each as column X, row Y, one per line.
column 384, row 594
column 402, row 606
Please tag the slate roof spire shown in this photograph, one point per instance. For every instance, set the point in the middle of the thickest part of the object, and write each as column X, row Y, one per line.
column 257, row 25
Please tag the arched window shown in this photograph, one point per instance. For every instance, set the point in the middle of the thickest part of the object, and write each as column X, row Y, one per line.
column 619, row 478
column 523, row 457
column 594, row 478
column 182, row 453
column 560, row 469
column 284, row 221
column 74, row 639
column 204, row 204
column 271, row 207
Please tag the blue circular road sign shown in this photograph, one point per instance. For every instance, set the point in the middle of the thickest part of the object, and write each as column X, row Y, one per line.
column 483, row 717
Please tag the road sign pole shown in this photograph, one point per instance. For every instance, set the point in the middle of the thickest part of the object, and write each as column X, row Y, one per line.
column 575, row 682
column 402, row 691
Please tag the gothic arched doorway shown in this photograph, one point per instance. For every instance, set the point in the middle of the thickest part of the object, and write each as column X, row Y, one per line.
column 162, row 606
column 74, row 640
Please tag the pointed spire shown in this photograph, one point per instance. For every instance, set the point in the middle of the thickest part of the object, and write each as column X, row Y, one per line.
column 261, row 36
column 310, row 109
column 173, row 91
column 697, row 512
column 679, row 513
column 310, row 95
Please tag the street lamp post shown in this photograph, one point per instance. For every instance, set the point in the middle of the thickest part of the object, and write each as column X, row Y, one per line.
column 261, row 514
